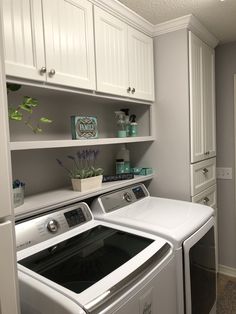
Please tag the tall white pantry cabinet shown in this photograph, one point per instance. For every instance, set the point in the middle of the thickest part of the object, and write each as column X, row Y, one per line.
column 186, row 148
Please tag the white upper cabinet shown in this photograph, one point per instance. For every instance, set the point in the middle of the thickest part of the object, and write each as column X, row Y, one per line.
column 111, row 53
column 23, row 38
column 202, row 100
column 141, row 70
column 69, row 48
column 124, row 58
column 68, row 44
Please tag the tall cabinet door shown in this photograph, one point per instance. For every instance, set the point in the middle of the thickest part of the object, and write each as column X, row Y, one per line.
column 69, row 46
column 141, row 68
column 8, row 284
column 23, row 38
column 196, row 98
column 209, row 100
column 111, row 53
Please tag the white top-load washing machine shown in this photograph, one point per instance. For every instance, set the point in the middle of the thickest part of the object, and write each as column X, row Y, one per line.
column 69, row 263
column 189, row 226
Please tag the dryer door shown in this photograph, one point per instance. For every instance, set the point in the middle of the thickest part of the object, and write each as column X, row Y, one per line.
column 200, row 270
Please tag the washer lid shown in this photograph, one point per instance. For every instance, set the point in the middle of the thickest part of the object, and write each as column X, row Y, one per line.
column 95, row 262
column 172, row 219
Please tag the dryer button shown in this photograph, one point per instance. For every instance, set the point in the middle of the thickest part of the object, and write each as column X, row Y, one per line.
column 128, row 197
column 52, row 226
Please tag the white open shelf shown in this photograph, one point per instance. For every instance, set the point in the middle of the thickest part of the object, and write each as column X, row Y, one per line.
column 26, row 145
column 49, row 200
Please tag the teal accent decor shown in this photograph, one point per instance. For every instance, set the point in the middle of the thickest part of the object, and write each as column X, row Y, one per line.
column 84, row 127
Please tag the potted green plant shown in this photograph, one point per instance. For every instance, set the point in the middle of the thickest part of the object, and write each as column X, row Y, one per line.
column 23, row 112
column 84, row 174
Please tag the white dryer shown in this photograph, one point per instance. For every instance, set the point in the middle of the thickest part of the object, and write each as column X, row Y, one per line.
column 70, row 263
column 189, row 226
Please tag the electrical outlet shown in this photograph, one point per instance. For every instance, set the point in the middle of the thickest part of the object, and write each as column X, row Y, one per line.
column 224, row 173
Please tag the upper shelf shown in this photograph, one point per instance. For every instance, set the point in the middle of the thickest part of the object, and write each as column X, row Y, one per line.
column 27, row 145
column 50, row 200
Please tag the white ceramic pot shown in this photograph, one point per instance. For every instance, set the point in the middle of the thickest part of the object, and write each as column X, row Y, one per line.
column 83, row 185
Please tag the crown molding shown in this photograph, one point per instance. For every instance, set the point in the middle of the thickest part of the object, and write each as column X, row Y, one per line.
column 189, row 22
column 128, row 16
column 125, row 14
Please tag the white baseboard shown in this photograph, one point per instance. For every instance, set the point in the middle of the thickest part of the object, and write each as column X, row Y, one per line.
column 226, row 270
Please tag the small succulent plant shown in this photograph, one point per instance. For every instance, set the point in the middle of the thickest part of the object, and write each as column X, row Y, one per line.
column 26, row 107
column 83, row 164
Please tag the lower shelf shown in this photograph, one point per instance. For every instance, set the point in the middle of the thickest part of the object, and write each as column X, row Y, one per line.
column 42, row 202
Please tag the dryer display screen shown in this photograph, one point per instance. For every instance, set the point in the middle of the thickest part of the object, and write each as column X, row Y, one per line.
column 138, row 192
column 75, row 217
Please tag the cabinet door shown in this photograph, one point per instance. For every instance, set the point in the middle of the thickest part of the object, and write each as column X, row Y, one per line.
column 111, row 53
column 23, row 38
column 69, row 48
column 141, row 68
column 209, row 100
column 196, row 99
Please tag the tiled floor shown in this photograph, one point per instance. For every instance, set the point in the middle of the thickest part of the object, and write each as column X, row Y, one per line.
column 226, row 295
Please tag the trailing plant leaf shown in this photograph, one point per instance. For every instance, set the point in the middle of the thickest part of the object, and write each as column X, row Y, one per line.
column 15, row 115
column 27, row 106
column 45, row 120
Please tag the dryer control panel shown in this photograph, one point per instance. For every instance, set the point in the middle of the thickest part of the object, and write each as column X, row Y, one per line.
column 48, row 225
column 120, row 198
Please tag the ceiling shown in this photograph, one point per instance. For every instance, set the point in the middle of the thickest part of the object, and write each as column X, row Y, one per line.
column 219, row 17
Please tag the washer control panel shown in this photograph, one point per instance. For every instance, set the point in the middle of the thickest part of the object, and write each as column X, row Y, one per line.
column 115, row 200
column 46, row 226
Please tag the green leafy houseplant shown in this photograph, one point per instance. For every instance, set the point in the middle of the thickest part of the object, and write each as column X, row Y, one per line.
column 83, row 165
column 23, row 112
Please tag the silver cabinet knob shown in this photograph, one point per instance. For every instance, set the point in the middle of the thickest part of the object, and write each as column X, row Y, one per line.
column 43, row 70
column 207, row 153
column 128, row 197
column 205, row 171
column 52, row 72
column 133, row 90
column 205, row 200
column 129, row 89
column 52, row 226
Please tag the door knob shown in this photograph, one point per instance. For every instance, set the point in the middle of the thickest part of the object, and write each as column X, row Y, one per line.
column 52, row 72
column 43, row 70
column 133, row 90
column 129, row 89
column 205, row 200
column 205, row 170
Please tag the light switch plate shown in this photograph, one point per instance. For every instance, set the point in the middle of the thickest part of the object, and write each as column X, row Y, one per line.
column 224, row 173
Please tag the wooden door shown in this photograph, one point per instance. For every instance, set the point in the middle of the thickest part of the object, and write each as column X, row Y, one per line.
column 209, row 100
column 23, row 39
column 111, row 54
column 196, row 99
column 69, row 46
column 141, row 67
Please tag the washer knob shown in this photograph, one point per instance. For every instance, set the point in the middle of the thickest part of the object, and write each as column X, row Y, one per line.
column 52, row 226
column 128, row 197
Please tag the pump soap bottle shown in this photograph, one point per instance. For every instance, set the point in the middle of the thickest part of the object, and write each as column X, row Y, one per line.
column 133, row 126
column 123, row 154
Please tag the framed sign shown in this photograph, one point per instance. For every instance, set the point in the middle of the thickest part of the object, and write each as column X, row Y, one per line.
column 84, row 127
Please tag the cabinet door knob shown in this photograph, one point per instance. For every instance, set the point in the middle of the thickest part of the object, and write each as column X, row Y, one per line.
column 207, row 153
column 133, row 90
column 43, row 70
column 52, row 72
column 129, row 89
column 205, row 170
column 205, row 200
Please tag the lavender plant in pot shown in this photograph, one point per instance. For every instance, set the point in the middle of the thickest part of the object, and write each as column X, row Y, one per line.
column 84, row 174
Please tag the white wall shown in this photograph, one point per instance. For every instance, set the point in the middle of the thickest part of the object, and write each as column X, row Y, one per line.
column 225, row 70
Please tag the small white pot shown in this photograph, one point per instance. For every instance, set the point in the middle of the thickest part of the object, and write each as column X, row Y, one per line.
column 83, row 185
